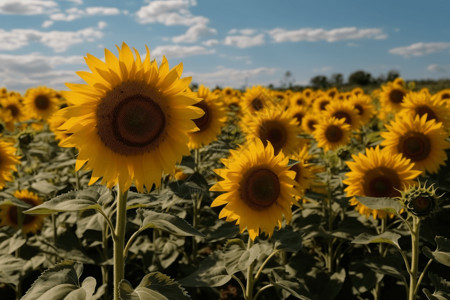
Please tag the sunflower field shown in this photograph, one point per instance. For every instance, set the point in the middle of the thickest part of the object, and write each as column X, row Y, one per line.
column 135, row 185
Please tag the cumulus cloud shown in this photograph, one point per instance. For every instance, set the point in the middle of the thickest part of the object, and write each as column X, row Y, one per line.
column 59, row 41
column 245, row 31
column 435, row 68
column 27, row 7
column 232, row 77
column 176, row 12
column 76, row 13
column 211, row 42
column 280, row 35
column 20, row 72
column 177, row 51
column 244, row 41
column 420, row 49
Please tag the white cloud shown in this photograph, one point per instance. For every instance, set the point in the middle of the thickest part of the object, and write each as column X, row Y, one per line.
column 322, row 69
column 194, row 33
column 47, row 24
column 232, row 77
column 245, row 31
column 20, row 72
column 76, row 13
column 280, row 35
column 27, row 7
column 101, row 25
column 102, row 11
column 435, row 68
column 211, row 42
column 59, row 41
column 420, row 49
column 177, row 51
column 244, row 41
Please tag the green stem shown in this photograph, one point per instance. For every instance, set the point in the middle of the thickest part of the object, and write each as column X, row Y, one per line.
column 258, row 273
column 105, row 274
column 131, row 241
column 239, row 282
column 55, row 233
column 121, row 221
column 377, row 290
column 262, row 289
column 250, row 279
column 414, row 258
column 419, row 281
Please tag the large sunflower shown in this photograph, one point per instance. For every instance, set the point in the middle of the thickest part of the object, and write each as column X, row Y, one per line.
column 258, row 188
column 12, row 110
column 8, row 162
column 421, row 103
column 275, row 126
column 130, row 122
column 363, row 104
column 30, row 223
column 41, row 102
column 211, row 123
column 343, row 110
column 378, row 173
column 421, row 141
column 391, row 97
column 332, row 133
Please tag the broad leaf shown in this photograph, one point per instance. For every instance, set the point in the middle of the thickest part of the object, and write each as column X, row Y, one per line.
column 386, row 237
column 390, row 205
column 167, row 222
column 294, row 288
column 154, row 286
column 442, row 288
column 211, row 273
column 287, row 240
column 61, row 282
column 10, row 269
column 442, row 252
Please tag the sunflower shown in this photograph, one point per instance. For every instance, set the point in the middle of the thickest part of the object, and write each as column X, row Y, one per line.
column 55, row 121
column 357, row 91
column 298, row 113
column 41, row 102
column 332, row 133
column 256, row 99
column 211, row 123
column 8, row 162
column 332, row 92
column 420, row 140
column 308, row 93
column 444, row 94
column 259, row 189
column 130, row 122
column 363, row 104
column 343, row 110
column 321, row 103
column 309, row 122
column 275, row 126
column 422, row 103
column 304, row 174
column 12, row 110
column 391, row 97
column 399, row 81
column 378, row 173
column 297, row 100
column 30, row 223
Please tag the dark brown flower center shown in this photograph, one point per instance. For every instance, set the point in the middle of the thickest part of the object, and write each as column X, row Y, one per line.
column 343, row 115
column 275, row 133
column 445, row 96
column 260, row 188
column 257, row 104
column 300, row 102
column 13, row 109
column 298, row 171
column 381, row 182
column 422, row 204
column 26, row 219
column 423, row 109
column 299, row 117
column 415, row 146
column 42, row 102
column 323, row 104
column 333, row 133
column 203, row 122
column 396, row 96
column 130, row 125
column 312, row 124
column 359, row 108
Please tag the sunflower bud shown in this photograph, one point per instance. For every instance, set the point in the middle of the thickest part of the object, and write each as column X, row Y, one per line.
column 421, row 200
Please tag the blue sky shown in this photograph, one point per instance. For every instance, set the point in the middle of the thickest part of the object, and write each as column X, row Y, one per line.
column 226, row 42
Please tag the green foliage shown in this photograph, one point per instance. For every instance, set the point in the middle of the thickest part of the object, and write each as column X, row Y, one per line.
column 442, row 252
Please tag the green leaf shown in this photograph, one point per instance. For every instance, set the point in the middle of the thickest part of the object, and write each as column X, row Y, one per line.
column 154, row 286
column 386, row 237
column 72, row 201
column 442, row 288
column 288, row 240
column 167, row 222
column 391, row 205
column 61, row 282
column 15, row 202
column 211, row 273
column 442, row 252
column 294, row 288
column 10, row 269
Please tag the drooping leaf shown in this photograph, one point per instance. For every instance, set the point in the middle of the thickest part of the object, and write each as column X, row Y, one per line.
column 294, row 288
column 211, row 273
column 61, row 282
column 167, row 222
column 442, row 252
column 288, row 240
column 386, row 237
column 390, row 205
column 10, row 269
column 154, row 286
column 441, row 288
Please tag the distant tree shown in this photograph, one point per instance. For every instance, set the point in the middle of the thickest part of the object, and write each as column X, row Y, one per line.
column 319, row 82
column 287, row 80
column 360, row 78
column 392, row 74
column 337, row 79
column 193, row 86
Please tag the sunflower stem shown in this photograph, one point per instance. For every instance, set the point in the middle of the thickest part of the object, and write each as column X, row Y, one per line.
column 18, row 287
column 414, row 258
column 250, row 279
column 376, row 293
column 121, row 218
column 105, row 274
column 55, row 234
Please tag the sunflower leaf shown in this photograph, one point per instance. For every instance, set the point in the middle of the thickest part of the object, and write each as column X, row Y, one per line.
column 154, row 286
column 386, row 237
column 442, row 252
column 391, row 205
column 11, row 268
column 288, row 240
column 442, row 288
column 211, row 272
column 61, row 282
column 167, row 222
